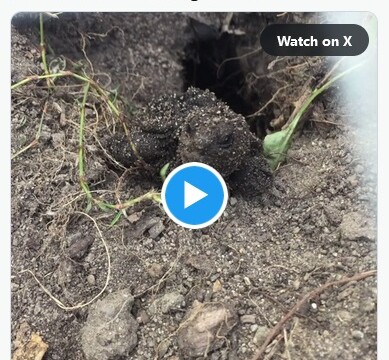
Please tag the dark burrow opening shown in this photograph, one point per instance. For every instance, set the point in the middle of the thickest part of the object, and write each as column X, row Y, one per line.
column 211, row 62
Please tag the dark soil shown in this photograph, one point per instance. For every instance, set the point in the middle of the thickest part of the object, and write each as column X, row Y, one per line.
column 258, row 260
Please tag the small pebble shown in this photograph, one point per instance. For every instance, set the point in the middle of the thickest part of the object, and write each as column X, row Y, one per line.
column 314, row 307
column 155, row 270
column 217, row 286
column 156, row 229
column 260, row 335
column 205, row 328
column 369, row 306
column 357, row 335
column 248, row 319
column 14, row 287
column 247, row 281
column 243, row 349
column 353, row 181
column 344, row 316
column 166, row 303
column 253, row 328
column 143, row 317
column 233, row 201
column 91, row 279
column 214, row 277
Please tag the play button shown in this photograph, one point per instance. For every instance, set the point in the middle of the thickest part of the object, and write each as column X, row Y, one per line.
column 194, row 195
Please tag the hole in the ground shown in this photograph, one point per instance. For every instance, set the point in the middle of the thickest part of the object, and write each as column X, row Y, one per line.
column 211, row 63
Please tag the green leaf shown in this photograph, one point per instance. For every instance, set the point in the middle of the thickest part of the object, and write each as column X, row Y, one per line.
column 103, row 206
column 116, row 218
column 88, row 206
column 276, row 145
column 163, row 171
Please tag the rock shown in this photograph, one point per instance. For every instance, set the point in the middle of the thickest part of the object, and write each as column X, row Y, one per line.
column 145, row 224
column 369, row 306
column 205, row 328
column 35, row 349
column 45, row 135
column 333, row 215
column 155, row 270
column 28, row 345
column 58, row 139
column 260, row 335
column 356, row 226
column 37, row 308
column 156, row 229
column 247, row 319
column 163, row 347
column 357, row 335
column 217, row 286
column 247, row 281
column 134, row 217
column 14, row 287
column 34, row 243
column 79, row 245
column 199, row 262
column 253, row 328
column 91, row 279
column 353, row 181
column 243, row 349
column 214, row 277
column 143, row 317
column 233, row 201
column 167, row 302
column 344, row 316
column 110, row 330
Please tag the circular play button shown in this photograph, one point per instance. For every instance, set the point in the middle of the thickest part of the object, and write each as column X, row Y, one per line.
column 194, row 195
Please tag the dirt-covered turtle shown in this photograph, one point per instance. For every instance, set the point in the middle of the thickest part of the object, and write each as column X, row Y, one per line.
column 195, row 126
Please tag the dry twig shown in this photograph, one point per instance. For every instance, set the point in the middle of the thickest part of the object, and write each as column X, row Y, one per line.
column 292, row 312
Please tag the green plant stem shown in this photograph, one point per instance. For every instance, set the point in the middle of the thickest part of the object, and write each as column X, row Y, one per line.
column 89, row 83
column 60, row 74
column 277, row 144
column 81, row 150
column 155, row 196
column 43, row 50
column 39, row 131
column 316, row 93
column 37, row 135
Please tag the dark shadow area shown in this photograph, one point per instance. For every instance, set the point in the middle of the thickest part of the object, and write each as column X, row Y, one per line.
column 210, row 63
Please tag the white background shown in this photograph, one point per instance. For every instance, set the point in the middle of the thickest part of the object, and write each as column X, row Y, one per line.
column 8, row 8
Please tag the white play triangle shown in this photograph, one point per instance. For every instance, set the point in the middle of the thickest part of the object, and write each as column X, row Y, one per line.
column 192, row 194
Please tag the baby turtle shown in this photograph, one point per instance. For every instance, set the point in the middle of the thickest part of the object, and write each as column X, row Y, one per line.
column 195, row 126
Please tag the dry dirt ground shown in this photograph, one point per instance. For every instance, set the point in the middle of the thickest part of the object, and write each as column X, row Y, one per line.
column 170, row 292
